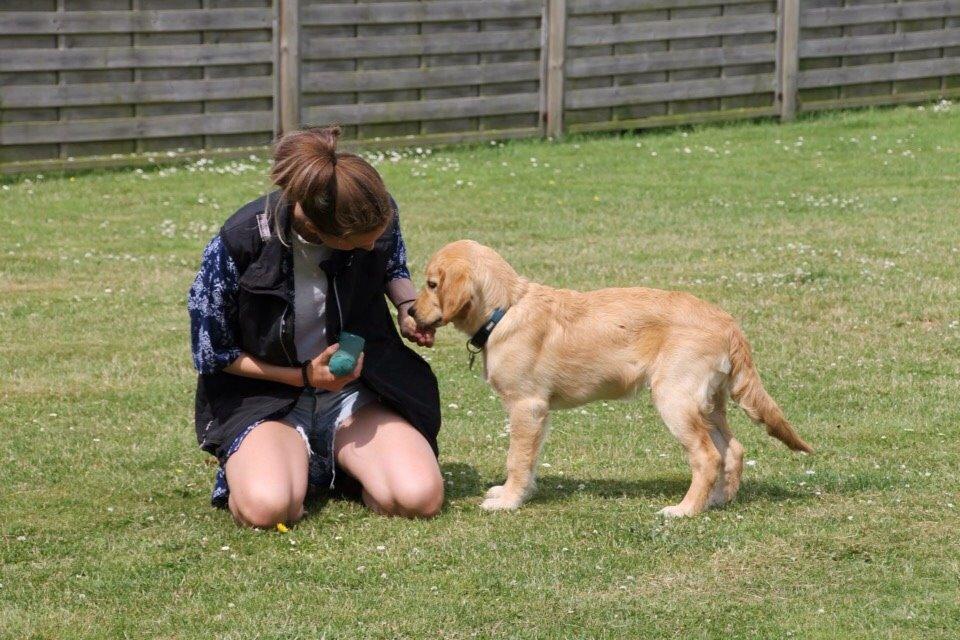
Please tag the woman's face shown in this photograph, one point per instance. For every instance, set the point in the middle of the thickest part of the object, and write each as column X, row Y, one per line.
column 309, row 233
column 363, row 241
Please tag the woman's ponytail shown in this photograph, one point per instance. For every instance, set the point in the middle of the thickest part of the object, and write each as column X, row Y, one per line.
column 340, row 193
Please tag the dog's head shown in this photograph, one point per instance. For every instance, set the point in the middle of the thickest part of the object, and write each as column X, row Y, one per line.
column 465, row 282
column 448, row 293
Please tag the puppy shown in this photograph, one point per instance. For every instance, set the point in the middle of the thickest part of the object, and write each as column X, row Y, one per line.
column 557, row 348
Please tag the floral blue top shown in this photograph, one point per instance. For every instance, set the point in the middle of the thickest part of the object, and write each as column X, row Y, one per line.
column 212, row 301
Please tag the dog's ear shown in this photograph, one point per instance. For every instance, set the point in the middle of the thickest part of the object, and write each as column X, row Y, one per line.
column 455, row 292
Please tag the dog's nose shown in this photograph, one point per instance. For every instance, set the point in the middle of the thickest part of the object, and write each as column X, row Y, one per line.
column 412, row 312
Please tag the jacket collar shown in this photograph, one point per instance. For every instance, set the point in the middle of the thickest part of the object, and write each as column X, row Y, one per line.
column 271, row 272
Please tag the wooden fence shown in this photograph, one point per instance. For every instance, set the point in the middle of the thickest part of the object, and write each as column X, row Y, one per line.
column 102, row 77
column 82, row 78
column 859, row 53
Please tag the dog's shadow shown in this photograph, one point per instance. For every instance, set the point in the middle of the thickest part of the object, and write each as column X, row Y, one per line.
column 667, row 490
column 462, row 481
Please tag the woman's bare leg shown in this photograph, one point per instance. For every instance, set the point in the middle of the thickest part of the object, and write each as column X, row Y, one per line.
column 267, row 476
column 392, row 461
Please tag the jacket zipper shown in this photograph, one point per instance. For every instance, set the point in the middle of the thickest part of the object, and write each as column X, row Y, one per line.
column 283, row 324
column 336, row 297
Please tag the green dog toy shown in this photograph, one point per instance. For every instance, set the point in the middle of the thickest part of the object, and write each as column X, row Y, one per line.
column 344, row 361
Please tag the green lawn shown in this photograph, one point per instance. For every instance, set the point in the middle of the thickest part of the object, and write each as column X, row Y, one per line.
column 835, row 241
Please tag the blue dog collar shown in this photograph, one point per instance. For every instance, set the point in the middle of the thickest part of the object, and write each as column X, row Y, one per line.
column 479, row 339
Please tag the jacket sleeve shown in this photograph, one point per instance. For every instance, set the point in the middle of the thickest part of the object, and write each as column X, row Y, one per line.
column 212, row 304
column 397, row 250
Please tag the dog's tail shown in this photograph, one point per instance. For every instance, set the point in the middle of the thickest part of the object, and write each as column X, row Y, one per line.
column 748, row 391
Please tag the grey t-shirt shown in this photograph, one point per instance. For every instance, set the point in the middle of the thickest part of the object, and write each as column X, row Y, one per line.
column 310, row 298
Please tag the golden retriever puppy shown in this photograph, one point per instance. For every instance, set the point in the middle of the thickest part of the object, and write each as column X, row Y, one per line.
column 557, row 348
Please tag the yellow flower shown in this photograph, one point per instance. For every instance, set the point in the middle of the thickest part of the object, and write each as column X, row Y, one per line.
column 282, row 528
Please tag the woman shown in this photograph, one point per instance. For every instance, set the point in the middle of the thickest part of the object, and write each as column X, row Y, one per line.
column 283, row 277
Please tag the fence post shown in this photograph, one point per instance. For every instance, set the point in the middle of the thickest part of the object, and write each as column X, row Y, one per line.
column 788, row 57
column 288, row 71
column 556, row 49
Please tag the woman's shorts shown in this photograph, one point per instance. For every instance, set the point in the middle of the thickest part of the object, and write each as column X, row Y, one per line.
column 317, row 425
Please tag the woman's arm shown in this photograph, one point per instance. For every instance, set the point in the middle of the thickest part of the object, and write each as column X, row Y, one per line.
column 401, row 291
column 400, row 287
column 212, row 304
column 250, row 367
column 318, row 371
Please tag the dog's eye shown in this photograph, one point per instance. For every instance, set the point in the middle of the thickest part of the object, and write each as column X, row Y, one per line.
column 431, row 284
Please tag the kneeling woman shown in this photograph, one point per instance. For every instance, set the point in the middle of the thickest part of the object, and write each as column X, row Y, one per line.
column 283, row 277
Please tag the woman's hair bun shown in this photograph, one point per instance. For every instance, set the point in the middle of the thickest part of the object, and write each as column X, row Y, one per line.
column 324, row 140
column 302, row 158
column 341, row 194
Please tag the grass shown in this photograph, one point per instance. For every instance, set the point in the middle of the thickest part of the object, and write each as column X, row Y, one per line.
column 834, row 240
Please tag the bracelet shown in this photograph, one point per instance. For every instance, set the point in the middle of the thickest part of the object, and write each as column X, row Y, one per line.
column 303, row 373
column 400, row 304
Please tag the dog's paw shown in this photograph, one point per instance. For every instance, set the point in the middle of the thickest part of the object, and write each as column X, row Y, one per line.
column 500, row 503
column 494, row 492
column 674, row 511
column 717, row 500
column 718, row 496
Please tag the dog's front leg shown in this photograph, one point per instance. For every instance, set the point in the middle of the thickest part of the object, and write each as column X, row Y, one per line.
column 528, row 428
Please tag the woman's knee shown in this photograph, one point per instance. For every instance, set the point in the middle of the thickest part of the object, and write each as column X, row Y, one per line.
column 265, row 506
column 416, row 498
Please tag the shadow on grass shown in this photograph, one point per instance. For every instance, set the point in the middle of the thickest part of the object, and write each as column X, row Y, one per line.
column 460, row 480
column 463, row 481
column 667, row 490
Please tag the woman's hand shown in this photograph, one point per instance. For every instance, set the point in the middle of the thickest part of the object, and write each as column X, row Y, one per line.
column 409, row 329
column 319, row 376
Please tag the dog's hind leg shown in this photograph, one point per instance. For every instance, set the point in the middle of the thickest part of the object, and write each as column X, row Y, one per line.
column 685, row 420
column 528, row 429
column 730, row 450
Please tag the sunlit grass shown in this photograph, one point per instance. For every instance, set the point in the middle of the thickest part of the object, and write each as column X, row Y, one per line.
column 835, row 241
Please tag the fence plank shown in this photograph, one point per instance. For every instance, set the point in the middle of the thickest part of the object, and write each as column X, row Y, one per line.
column 879, row 100
column 676, row 119
column 397, row 12
column 153, row 159
column 788, row 58
column 135, row 128
column 288, row 64
column 424, row 77
column 556, row 52
column 40, row 22
column 866, row 14
column 586, row 7
column 135, row 57
column 432, row 44
column 670, row 29
column 544, row 56
column 91, row 94
column 670, row 60
column 879, row 72
column 424, row 110
column 275, row 76
column 886, row 43
column 667, row 91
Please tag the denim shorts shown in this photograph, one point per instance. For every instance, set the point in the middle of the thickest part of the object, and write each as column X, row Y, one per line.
column 317, row 424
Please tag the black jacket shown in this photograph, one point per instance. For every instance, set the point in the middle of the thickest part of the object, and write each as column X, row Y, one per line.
column 226, row 404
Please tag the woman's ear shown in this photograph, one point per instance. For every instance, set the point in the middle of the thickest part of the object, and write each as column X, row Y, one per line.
column 455, row 293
